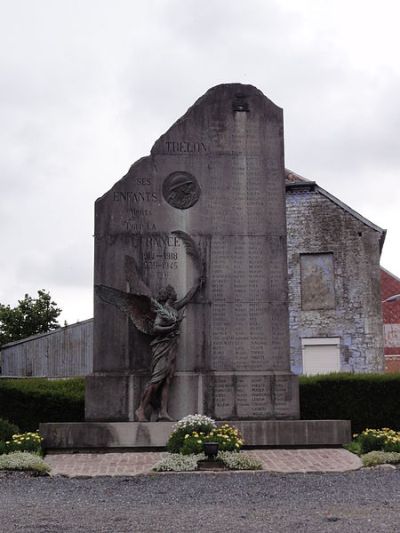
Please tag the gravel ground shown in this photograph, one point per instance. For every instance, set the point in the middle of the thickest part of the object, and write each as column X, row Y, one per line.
column 361, row 501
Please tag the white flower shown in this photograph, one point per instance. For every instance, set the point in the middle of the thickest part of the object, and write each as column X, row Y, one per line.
column 194, row 420
column 176, row 462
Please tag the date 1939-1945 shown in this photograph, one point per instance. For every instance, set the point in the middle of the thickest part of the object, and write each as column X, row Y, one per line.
column 168, row 260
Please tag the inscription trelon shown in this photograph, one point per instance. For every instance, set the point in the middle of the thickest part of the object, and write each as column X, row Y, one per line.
column 204, row 214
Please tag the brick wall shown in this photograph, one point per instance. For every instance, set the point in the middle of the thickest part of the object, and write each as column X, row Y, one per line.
column 316, row 224
column 390, row 286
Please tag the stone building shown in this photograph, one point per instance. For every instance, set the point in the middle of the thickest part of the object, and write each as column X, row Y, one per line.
column 334, row 283
column 334, row 295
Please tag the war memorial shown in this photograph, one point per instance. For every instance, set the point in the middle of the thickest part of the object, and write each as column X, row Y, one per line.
column 190, row 287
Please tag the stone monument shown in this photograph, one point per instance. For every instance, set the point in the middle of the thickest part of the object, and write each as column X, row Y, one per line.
column 191, row 311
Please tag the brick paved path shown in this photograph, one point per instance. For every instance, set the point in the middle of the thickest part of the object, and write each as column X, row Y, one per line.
column 307, row 460
column 133, row 463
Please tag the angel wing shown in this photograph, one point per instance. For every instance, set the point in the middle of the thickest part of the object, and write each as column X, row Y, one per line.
column 191, row 248
column 138, row 307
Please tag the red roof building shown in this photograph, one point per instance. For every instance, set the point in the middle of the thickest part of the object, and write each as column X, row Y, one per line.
column 390, row 290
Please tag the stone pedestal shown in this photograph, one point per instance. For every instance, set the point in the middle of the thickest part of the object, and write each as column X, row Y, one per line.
column 127, row 435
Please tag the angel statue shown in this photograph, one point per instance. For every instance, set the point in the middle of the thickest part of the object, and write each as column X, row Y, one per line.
column 161, row 318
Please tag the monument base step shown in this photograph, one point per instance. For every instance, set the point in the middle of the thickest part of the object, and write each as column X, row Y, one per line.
column 114, row 435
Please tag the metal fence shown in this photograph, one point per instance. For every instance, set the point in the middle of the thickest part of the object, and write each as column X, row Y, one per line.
column 64, row 352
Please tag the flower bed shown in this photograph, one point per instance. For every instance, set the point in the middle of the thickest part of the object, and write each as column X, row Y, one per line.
column 24, row 461
column 189, row 435
column 186, row 446
column 22, row 442
column 385, row 439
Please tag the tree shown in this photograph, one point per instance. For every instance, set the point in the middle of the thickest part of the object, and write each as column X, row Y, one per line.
column 29, row 317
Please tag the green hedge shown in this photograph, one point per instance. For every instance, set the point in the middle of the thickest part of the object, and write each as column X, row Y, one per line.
column 27, row 402
column 368, row 400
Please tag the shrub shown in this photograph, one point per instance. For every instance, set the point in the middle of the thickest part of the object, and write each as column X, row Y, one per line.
column 7, row 430
column 380, row 458
column 189, row 435
column 24, row 442
column 228, row 438
column 239, row 461
column 353, row 447
column 28, row 402
column 386, row 440
column 368, row 400
column 187, row 425
column 176, row 462
column 23, row 461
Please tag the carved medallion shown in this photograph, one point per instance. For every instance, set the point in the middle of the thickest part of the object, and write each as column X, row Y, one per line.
column 181, row 190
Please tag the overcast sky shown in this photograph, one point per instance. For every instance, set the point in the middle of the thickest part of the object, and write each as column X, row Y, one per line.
column 87, row 86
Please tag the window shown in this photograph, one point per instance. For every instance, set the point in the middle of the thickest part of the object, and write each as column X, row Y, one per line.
column 321, row 355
